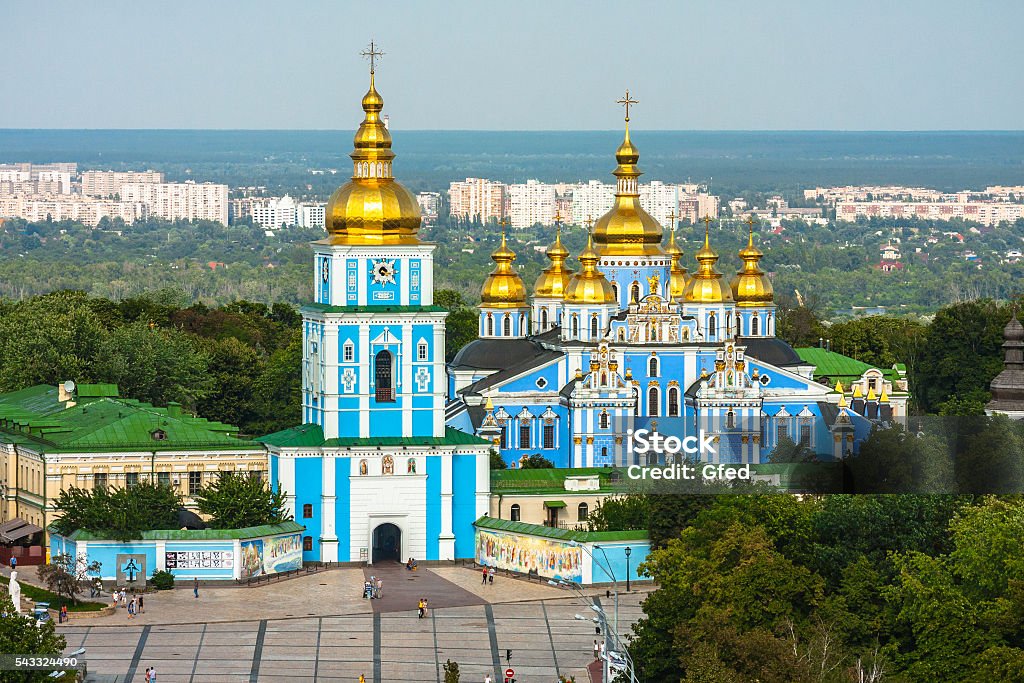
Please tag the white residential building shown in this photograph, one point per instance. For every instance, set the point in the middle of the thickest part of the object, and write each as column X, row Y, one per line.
column 85, row 210
column 430, row 205
column 592, row 200
column 108, row 183
column 986, row 213
column 274, row 212
column 311, row 215
column 530, row 203
column 188, row 200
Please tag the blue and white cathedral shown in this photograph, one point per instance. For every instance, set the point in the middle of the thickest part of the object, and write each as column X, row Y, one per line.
column 633, row 340
column 392, row 458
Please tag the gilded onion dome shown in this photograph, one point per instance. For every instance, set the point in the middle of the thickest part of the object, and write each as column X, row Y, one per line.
column 751, row 286
column 589, row 286
column 554, row 279
column 627, row 229
column 503, row 288
column 679, row 277
column 372, row 208
column 706, row 285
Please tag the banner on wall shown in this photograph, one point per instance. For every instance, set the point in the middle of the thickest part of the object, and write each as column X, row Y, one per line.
column 200, row 559
column 271, row 555
column 520, row 553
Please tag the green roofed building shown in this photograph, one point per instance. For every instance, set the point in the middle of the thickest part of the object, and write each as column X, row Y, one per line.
column 55, row 437
column 556, row 498
column 875, row 393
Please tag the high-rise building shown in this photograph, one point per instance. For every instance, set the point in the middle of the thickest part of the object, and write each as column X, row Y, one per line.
column 310, row 215
column 430, row 205
column 591, row 200
column 85, row 210
column 27, row 178
column 108, row 183
column 477, row 198
column 530, row 203
column 188, row 200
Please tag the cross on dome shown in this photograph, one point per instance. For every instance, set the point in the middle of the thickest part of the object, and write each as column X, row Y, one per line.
column 372, row 53
column 626, row 101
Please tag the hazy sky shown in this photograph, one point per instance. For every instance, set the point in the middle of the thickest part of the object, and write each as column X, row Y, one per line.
column 516, row 64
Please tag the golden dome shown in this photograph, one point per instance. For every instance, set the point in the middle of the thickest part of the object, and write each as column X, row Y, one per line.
column 706, row 285
column 589, row 286
column 679, row 278
column 554, row 279
column 372, row 208
column 627, row 229
column 503, row 288
column 751, row 286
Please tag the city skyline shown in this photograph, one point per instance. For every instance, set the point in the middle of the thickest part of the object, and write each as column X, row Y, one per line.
column 738, row 66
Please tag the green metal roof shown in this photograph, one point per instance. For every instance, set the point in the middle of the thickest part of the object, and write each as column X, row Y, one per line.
column 97, row 390
column 559, row 534
column 836, row 366
column 200, row 534
column 324, row 308
column 547, row 480
column 101, row 422
column 312, row 436
column 554, row 503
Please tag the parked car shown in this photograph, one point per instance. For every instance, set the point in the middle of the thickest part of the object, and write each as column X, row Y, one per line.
column 42, row 613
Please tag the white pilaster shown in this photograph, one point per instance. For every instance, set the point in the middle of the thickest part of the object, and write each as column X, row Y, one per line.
column 328, row 498
column 446, row 550
column 286, row 480
column 408, row 352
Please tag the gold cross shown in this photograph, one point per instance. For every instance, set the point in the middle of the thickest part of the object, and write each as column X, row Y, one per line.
column 750, row 222
column 558, row 216
column 372, row 54
column 590, row 222
column 707, row 222
column 626, row 101
column 672, row 218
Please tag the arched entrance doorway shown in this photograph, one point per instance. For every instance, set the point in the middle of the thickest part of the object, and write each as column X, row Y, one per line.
column 387, row 543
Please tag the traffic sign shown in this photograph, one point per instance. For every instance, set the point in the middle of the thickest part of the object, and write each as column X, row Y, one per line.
column 510, row 673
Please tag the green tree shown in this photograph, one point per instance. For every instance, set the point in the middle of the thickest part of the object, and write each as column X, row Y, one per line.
column 154, row 365
column 20, row 635
column 535, row 462
column 497, row 462
column 620, row 513
column 121, row 514
column 237, row 501
column 65, row 574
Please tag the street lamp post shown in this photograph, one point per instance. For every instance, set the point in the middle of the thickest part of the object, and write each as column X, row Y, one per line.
column 628, row 551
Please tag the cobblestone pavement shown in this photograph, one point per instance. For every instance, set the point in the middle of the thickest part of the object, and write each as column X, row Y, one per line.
column 253, row 634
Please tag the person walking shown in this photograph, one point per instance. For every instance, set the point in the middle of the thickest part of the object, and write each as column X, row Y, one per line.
column 142, row 608
column 131, row 609
column 490, row 576
column 488, row 679
column 152, row 675
column 423, row 607
column 147, row 674
column 484, row 581
column 597, row 650
column 195, row 587
column 362, row 678
column 380, row 587
column 63, row 613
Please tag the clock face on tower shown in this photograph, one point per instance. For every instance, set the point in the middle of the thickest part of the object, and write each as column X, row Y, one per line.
column 383, row 272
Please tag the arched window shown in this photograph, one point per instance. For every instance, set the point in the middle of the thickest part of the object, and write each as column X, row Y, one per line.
column 712, row 324
column 514, row 513
column 636, row 401
column 490, row 325
column 768, row 325
column 382, row 374
column 582, row 511
column 603, row 419
column 604, row 452
column 673, row 402
column 621, row 336
column 615, row 290
column 307, row 511
column 549, row 436
column 652, row 367
column 524, row 433
column 730, row 420
column 522, row 325
column 380, row 169
column 506, row 325
column 634, row 292
column 755, row 325
column 652, row 401
column 504, row 436
column 307, row 543
column 728, row 321
column 544, row 318
column 575, row 326
column 593, row 326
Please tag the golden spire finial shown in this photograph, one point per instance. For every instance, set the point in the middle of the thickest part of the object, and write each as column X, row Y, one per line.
column 372, row 53
column 707, row 231
column 750, row 237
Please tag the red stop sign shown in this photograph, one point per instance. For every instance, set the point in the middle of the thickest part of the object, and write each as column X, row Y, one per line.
column 509, row 673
